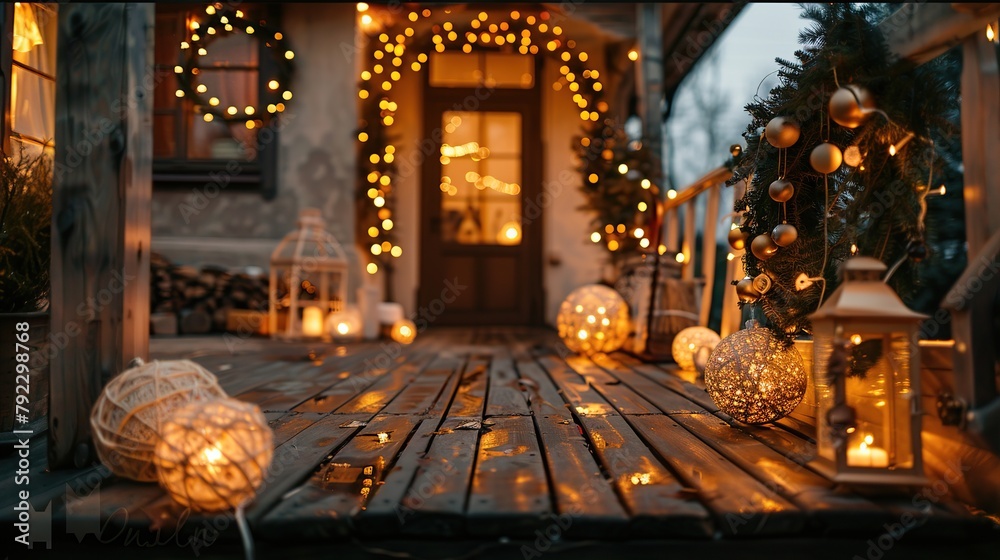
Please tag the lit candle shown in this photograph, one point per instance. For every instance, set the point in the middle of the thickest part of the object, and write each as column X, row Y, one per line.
column 867, row 455
column 312, row 321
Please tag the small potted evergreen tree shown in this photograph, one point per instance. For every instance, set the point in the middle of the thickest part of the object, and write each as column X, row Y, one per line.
column 25, row 225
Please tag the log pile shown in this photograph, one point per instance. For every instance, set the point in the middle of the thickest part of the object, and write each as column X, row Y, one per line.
column 198, row 301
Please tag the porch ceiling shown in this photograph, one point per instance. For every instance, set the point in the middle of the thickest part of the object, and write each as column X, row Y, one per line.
column 689, row 29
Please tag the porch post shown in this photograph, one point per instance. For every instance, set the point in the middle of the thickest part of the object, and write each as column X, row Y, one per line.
column 101, row 205
column 650, row 79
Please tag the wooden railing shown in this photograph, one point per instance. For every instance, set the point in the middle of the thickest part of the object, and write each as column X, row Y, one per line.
column 689, row 253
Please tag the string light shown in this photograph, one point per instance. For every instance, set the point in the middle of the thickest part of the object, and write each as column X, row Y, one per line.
column 671, row 194
column 990, row 34
column 894, row 148
column 633, row 55
column 499, row 33
column 209, row 29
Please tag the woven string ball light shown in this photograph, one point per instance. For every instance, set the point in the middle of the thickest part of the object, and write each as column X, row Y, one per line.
column 593, row 319
column 689, row 341
column 754, row 378
column 213, row 456
column 128, row 417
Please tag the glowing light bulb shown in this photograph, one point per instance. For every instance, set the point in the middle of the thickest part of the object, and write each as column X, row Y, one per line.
column 595, row 237
column 680, row 257
column 671, row 194
column 633, row 55
column 362, row 7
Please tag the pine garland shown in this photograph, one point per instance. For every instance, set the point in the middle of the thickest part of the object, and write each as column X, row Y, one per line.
column 875, row 206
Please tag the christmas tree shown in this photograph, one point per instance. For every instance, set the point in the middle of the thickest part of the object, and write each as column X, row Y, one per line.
column 618, row 187
column 841, row 157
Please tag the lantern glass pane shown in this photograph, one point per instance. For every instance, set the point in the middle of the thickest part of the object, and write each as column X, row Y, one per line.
column 878, row 372
column 825, row 391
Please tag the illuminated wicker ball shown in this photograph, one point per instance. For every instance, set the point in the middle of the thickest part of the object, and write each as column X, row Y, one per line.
column 214, row 456
column 754, row 378
column 403, row 331
column 593, row 319
column 133, row 406
column 689, row 341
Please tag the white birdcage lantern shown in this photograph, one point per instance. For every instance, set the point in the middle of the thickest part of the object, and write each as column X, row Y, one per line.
column 308, row 281
column 866, row 373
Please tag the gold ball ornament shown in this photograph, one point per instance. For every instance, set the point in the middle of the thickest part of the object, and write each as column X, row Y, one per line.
column 763, row 247
column 738, row 239
column 848, row 105
column 687, row 343
column 214, row 456
column 826, row 158
column 746, row 292
column 781, row 132
column 784, row 235
column 592, row 319
column 128, row 417
column 754, row 378
column 781, row 190
column 404, row 331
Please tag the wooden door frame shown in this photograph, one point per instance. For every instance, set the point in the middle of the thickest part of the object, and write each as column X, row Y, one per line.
column 527, row 102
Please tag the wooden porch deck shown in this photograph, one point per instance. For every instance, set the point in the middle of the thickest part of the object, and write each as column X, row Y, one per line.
column 497, row 443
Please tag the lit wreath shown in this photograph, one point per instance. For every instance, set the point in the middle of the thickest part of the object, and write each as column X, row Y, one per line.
column 201, row 34
column 532, row 33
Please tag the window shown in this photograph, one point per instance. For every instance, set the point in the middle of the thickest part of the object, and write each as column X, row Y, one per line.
column 29, row 59
column 188, row 146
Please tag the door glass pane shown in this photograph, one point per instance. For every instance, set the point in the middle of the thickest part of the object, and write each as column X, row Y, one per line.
column 481, row 178
column 490, row 68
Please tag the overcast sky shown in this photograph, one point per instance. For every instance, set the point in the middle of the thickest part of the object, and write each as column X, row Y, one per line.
column 746, row 53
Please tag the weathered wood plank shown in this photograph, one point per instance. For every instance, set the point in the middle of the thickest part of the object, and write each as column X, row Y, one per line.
column 574, row 389
column 470, row 396
column 324, row 505
column 831, row 511
column 658, row 503
column 100, row 220
column 422, row 393
column 621, row 396
column 742, row 506
column 664, row 400
column 666, row 376
column 510, row 493
column 435, row 502
column 384, row 513
column 377, row 395
column 505, row 397
column 585, row 500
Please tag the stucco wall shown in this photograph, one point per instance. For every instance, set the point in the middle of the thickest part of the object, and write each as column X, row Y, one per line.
column 316, row 168
column 315, row 159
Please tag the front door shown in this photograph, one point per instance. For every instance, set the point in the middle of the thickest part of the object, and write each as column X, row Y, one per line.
column 481, row 236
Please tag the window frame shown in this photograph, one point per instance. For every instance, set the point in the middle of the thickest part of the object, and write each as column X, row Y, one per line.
column 258, row 175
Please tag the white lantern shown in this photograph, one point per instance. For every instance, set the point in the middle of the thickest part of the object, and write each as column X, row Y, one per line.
column 310, row 269
column 866, row 371
column 689, row 341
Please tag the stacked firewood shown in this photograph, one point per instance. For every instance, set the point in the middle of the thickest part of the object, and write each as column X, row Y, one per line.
column 199, row 301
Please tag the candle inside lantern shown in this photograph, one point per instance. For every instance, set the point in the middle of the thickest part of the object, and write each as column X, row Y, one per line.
column 867, row 455
column 312, row 321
